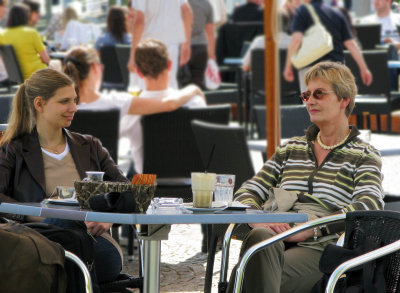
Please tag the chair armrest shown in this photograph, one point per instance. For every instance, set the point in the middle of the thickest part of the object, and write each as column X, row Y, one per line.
column 338, row 272
column 83, row 268
column 226, row 242
column 257, row 247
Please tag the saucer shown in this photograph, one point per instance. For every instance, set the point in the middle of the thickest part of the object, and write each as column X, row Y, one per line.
column 216, row 206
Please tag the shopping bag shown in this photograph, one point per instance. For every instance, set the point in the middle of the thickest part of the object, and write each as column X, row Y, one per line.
column 212, row 76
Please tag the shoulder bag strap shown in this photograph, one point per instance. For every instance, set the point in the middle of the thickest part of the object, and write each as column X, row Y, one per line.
column 312, row 12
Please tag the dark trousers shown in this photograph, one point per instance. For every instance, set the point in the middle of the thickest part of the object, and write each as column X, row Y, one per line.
column 196, row 67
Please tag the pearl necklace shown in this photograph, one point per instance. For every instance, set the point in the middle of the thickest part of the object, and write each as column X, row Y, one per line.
column 330, row 147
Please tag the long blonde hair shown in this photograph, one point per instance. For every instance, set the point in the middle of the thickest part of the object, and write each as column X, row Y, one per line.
column 43, row 83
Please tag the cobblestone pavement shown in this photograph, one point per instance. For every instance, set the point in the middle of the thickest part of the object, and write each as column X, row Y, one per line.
column 183, row 265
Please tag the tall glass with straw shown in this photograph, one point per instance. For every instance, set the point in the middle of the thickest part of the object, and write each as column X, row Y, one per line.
column 203, row 185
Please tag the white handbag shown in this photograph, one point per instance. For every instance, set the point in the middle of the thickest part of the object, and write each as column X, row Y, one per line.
column 317, row 42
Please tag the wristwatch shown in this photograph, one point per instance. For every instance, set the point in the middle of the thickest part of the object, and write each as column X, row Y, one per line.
column 324, row 230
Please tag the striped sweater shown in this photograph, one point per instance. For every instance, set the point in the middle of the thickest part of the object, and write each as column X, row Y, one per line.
column 348, row 179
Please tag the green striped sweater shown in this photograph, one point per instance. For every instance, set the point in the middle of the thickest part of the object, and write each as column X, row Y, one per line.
column 348, row 179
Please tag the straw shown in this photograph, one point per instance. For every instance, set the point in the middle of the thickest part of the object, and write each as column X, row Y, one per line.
column 210, row 157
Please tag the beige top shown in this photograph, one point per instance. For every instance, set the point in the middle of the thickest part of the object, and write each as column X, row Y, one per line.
column 63, row 173
column 59, row 172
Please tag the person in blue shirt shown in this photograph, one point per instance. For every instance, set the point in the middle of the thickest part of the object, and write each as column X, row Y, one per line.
column 116, row 29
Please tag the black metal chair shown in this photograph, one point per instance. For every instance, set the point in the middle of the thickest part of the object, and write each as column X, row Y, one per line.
column 170, row 149
column 5, row 107
column 369, row 35
column 290, row 91
column 12, row 66
column 381, row 227
column 114, row 59
column 294, row 120
column 231, row 156
column 103, row 124
column 376, row 98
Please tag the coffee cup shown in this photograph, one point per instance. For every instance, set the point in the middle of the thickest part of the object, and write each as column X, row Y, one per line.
column 96, row 176
column 203, row 185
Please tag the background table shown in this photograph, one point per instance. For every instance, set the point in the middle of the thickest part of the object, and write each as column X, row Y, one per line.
column 157, row 226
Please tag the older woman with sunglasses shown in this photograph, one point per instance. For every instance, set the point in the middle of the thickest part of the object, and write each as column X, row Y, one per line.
column 329, row 170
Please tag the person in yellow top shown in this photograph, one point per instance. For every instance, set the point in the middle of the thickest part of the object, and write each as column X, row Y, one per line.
column 28, row 46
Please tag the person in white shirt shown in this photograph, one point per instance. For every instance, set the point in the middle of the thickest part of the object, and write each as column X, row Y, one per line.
column 83, row 65
column 168, row 21
column 153, row 65
column 386, row 18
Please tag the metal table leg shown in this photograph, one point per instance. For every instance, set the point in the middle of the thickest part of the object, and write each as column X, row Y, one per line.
column 151, row 235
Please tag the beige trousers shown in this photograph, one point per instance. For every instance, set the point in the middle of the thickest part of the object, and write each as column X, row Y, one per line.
column 275, row 269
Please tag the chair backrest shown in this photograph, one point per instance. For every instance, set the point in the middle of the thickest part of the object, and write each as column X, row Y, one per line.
column 383, row 228
column 377, row 61
column 170, row 149
column 5, row 107
column 231, row 37
column 103, row 124
column 257, row 74
column 11, row 63
column 115, row 59
column 294, row 120
column 369, row 35
column 290, row 91
column 231, row 154
column 123, row 54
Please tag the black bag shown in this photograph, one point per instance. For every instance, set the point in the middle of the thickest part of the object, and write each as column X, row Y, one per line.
column 77, row 241
column 366, row 278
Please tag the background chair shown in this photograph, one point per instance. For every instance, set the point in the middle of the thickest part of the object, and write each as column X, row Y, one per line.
column 290, row 91
column 170, row 149
column 294, row 120
column 103, row 124
column 5, row 107
column 376, row 98
column 12, row 66
column 231, row 37
column 369, row 35
column 231, row 156
column 114, row 59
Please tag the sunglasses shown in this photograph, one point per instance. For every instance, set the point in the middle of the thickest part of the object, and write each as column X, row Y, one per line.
column 317, row 94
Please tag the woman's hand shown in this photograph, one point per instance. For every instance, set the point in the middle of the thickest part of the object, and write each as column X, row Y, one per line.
column 97, row 228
